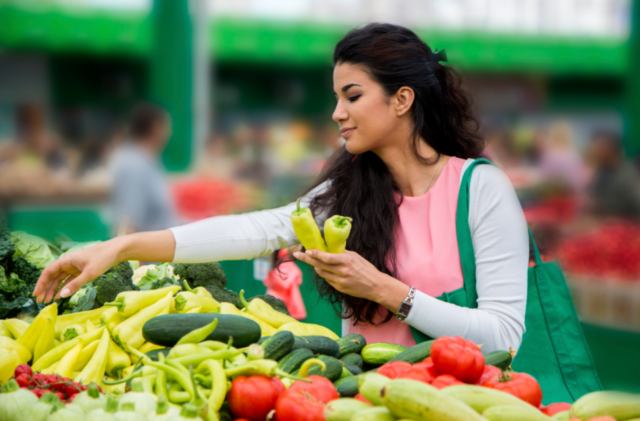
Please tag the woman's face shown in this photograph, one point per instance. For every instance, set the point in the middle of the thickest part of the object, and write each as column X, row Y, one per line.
column 367, row 117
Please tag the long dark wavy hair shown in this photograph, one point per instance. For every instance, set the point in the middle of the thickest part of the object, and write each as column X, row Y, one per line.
column 361, row 186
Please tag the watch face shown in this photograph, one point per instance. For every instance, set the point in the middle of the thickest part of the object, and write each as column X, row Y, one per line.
column 403, row 312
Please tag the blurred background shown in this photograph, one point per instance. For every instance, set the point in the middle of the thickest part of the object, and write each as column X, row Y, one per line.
column 127, row 115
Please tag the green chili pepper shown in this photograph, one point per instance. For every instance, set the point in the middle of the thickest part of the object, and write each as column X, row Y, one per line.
column 161, row 389
column 177, row 374
column 306, row 229
column 255, row 352
column 304, row 368
column 267, row 368
column 196, row 359
column 198, row 335
column 218, row 386
column 336, row 231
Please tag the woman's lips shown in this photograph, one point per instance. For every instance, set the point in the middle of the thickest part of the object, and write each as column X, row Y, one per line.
column 347, row 132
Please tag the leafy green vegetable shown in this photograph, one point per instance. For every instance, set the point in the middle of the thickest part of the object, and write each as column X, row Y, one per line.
column 83, row 300
column 156, row 273
column 224, row 295
column 34, row 249
column 114, row 281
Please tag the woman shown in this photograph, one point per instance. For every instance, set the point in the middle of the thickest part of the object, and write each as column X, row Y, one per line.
column 410, row 135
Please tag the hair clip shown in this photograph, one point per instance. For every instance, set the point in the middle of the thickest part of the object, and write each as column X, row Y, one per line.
column 438, row 56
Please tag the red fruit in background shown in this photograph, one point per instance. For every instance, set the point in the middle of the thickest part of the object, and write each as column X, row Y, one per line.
column 445, row 380
column 422, row 372
column 253, row 397
column 489, row 371
column 23, row 380
column 296, row 404
column 71, row 390
column 361, row 398
column 520, row 385
column 320, row 388
column 61, row 396
column 554, row 408
column 459, row 357
column 23, row 369
column 39, row 391
column 393, row 369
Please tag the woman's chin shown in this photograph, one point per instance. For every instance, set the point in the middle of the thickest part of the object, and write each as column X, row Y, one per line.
column 354, row 148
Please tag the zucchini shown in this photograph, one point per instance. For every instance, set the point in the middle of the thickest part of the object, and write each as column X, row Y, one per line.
column 381, row 353
column 293, row 360
column 278, row 345
column 352, row 358
column 379, row 413
column 347, row 387
column 153, row 354
column 319, row 345
column 353, row 369
column 343, row 409
column 564, row 416
column 333, row 369
column 415, row 400
column 371, row 386
column 500, row 359
column 167, row 329
column 353, row 342
column 508, row 413
column 482, row 398
column 619, row 405
column 415, row 354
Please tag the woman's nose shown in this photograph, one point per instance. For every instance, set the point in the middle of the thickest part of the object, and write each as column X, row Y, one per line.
column 339, row 114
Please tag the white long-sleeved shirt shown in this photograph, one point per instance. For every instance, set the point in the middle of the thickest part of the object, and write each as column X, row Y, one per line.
column 500, row 242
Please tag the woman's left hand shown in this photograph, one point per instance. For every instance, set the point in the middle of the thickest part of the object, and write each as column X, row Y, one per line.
column 347, row 272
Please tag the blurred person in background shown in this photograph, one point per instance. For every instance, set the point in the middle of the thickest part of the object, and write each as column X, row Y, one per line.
column 141, row 198
column 559, row 161
column 613, row 190
column 216, row 161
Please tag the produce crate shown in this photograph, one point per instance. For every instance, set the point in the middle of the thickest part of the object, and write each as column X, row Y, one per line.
column 606, row 302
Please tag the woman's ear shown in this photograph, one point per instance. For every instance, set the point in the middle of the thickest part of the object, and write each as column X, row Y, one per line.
column 403, row 100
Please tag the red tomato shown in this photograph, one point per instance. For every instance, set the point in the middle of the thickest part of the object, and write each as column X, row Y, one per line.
column 23, row 380
column 297, row 404
column 489, row 371
column 320, row 388
column 252, row 397
column 554, row 408
column 445, row 380
column 23, row 369
column 521, row 385
column 605, row 418
column 423, row 372
column 458, row 357
column 361, row 398
column 393, row 369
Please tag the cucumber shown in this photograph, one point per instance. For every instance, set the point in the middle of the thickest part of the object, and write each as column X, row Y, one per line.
column 371, row 386
column 352, row 358
column 343, row 409
column 619, row 405
column 509, row 413
column 415, row 354
column 153, row 354
column 420, row 401
column 319, row 345
column 353, row 342
column 482, row 398
column 278, row 345
column 347, row 387
column 353, row 369
column 379, row 413
column 293, row 360
column 381, row 353
column 564, row 416
column 166, row 330
column 333, row 369
column 500, row 359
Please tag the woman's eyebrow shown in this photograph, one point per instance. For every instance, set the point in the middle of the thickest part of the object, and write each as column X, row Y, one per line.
column 345, row 88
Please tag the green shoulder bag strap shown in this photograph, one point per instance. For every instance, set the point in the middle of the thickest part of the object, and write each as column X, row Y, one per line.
column 553, row 348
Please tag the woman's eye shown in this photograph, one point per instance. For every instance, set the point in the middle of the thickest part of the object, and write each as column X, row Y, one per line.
column 353, row 98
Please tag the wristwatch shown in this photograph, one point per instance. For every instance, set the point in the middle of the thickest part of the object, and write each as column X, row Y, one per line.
column 406, row 305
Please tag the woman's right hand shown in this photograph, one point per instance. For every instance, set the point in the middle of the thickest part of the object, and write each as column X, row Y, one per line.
column 77, row 269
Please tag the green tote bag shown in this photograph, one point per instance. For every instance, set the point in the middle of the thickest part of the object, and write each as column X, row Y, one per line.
column 553, row 348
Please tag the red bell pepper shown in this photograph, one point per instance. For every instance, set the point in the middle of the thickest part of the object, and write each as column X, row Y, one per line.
column 254, row 397
column 423, row 372
column 320, row 388
column 394, row 369
column 489, row 371
column 361, row 398
column 521, row 385
column 554, row 408
column 297, row 404
column 445, row 380
column 458, row 357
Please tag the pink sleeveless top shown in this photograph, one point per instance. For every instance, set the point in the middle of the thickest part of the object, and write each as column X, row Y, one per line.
column 427, row 250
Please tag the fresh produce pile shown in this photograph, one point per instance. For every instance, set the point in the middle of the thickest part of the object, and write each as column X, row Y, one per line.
column 610, row 252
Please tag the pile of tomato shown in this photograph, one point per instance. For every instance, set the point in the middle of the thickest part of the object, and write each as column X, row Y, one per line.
column 65, row 389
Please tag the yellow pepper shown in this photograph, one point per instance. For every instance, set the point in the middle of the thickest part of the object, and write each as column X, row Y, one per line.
column 130, row 331
column 308, row 329
column 9, row 360
column 186, row 301
column 336, row 232
column 195, row 310
column 130, row 302
column 218, row 386
column 11, row 344
column 78, row 318
column 85, row 355
column 148, row 346
column 72, row 331
column 306, row 228
column 114, row 320
column 45, row 342
column 50, row 369
column 202, row 291
column 263, row 311
column 58, row 352
column 65, row 367
column 265, row 328
column 5, row 332
column 117, row 360
column 89, row 326
column 116, row 389
column 30, row 337
column 17, row 327
column 95, row 368
column 104, row 318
